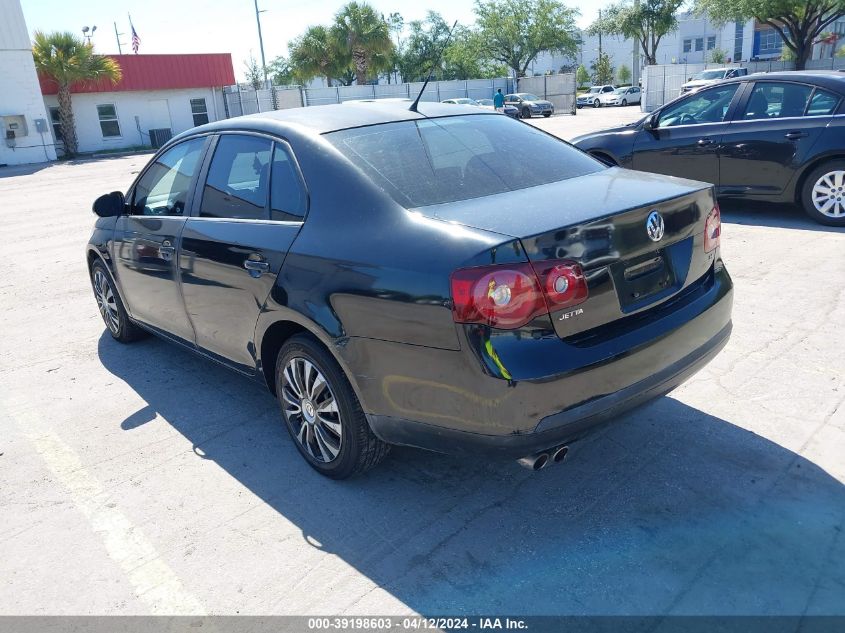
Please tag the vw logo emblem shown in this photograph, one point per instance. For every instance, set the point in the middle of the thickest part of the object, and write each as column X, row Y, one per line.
column 654, row 226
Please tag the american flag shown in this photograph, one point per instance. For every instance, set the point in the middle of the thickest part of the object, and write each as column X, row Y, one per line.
column 136, row 40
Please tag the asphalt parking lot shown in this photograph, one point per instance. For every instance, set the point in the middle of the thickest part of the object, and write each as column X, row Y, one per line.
column 141, row 479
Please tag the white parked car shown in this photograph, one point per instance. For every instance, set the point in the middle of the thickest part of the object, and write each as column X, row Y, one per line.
column 461, row 101
column 622, row 96
column 593, row 96
column 711, row 75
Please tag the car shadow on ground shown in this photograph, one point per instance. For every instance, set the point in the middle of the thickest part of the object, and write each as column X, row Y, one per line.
column 667, row 510
column 780, row 216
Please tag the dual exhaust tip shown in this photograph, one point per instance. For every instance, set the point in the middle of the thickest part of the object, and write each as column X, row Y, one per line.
column 538, row 461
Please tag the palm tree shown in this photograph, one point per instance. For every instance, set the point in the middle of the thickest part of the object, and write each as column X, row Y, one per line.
column 366, row 36
column 67, row 60
column 316, row 53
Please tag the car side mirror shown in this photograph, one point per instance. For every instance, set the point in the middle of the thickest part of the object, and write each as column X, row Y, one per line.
column 110, row 205
column 650, row 123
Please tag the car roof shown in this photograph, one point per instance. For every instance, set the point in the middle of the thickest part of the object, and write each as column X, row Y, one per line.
column 330, row 118
column 830, row 79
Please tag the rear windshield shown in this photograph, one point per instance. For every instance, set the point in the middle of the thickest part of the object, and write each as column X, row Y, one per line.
column 432, row 161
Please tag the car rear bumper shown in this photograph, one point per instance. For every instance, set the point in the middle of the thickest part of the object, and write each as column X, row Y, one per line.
column 448, row 401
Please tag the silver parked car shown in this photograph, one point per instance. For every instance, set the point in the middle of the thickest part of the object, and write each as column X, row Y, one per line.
column 529, row 104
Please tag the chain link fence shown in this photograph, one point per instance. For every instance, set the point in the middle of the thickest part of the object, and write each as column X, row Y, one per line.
column 435, row 91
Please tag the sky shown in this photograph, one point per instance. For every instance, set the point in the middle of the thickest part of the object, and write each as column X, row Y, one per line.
column 225, row 26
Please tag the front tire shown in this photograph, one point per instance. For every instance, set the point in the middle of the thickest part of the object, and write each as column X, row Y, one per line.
column 111, row 308
column 596, row 103
column 547, row 114
column 823, row 194
column 322, row 413
column 526, row 113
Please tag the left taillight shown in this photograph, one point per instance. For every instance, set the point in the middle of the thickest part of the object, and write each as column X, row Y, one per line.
column 713, row 229
column 510, row 296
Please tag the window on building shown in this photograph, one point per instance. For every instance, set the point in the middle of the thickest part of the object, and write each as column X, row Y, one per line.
column 711, row 42
column 238, row 179
column 108, row 120
column 57, row 124
column 687, row 46
column 200, row 111
column 699, row 44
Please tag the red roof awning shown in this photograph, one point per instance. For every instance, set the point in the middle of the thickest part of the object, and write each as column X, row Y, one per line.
column 160, row 72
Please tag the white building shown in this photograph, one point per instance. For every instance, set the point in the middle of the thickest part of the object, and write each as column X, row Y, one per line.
column 25, row 136
column 158, row 97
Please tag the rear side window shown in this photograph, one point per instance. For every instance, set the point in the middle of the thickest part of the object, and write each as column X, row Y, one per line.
column 163, row 189
column 238, row 179
column 773, row 100
column 420, row 163
column 287, row 196
column 822, row 103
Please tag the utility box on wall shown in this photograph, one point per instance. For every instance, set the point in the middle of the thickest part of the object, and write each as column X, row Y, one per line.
column 15, row 123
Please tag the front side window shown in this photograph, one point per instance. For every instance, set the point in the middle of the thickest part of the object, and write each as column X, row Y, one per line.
column 773, row 100
column 434, row 161
column 707, row 106
column 199, row 110
column 109, row 125
column 238, row 179
column 163, row 189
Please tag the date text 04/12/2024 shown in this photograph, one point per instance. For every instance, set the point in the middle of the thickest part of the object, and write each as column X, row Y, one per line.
column 416, row 623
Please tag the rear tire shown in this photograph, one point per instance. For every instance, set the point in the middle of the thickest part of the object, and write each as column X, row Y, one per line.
column 322, row 412
column 624, row 102
column 111, row 308
column 823, row 193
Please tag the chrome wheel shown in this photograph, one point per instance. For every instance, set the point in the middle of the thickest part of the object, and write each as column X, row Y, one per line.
column 106, row 301
column 311, row 410
column 828, row 194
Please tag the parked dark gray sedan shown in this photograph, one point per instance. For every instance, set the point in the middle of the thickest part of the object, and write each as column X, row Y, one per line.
column 529, row 104
column 416, row 278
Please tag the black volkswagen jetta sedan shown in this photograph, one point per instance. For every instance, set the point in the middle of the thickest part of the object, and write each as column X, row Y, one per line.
column 416, row 278
column 777, row 137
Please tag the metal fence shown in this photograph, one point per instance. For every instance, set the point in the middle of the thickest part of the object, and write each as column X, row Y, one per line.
column 662, row 83
column 240, row 101
column 559, row 89
column 435, row 91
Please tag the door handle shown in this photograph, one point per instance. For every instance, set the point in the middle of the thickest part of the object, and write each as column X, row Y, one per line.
column 166, row 250
column 704, row 141
column 255, row 266
column 794, row 136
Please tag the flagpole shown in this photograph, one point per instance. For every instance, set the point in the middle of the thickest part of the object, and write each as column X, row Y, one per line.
column 117, row 37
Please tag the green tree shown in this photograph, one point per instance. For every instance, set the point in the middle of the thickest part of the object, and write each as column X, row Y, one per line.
column 316, row 53
column 516, row 31
column 799, row 22
column 646, row 21
column 718, row 56
column 252, row 72
column 624, row 75
column 582, row 76
column 66, row 59
column 602, row 69
column 840, row 52
column 281, row 72
column 419, row 51
column 366, row 37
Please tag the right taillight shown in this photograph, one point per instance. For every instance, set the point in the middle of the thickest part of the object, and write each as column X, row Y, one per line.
column 510, row 296
column 713, row 230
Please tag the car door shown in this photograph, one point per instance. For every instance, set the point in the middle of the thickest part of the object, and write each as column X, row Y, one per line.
column 146, row 239
column 685, row 135
column 634, row 95
column 775, row 127
column 251, row 207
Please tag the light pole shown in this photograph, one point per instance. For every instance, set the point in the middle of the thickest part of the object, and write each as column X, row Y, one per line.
column 261, row 42
column 117, row 37
column 87, row 33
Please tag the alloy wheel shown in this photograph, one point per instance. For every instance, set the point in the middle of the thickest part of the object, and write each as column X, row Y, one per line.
column 828, row 194
column 106, row 301
column 311, row 410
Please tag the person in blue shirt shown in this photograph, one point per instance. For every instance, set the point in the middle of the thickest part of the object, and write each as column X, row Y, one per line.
column 499, row 101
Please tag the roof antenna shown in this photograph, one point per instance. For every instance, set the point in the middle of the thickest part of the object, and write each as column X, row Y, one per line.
column 416, row 102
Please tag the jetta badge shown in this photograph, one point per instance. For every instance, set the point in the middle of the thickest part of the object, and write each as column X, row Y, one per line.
column 654, row 226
